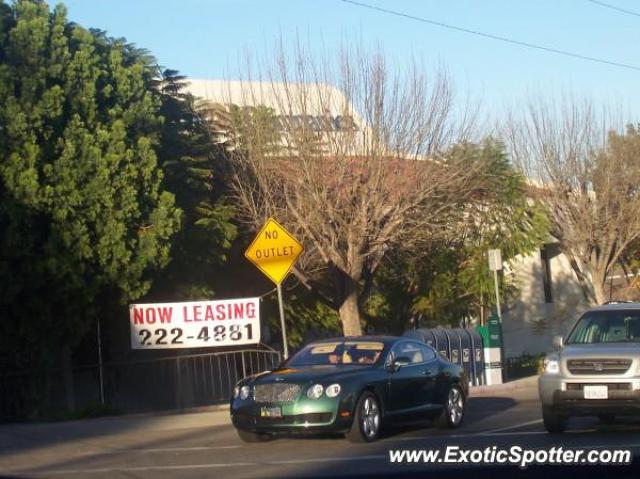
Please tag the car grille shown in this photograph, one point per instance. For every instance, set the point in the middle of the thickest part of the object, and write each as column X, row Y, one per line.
column 598, row 366
column 610, row 386
column 310, row 418
column 276, row 392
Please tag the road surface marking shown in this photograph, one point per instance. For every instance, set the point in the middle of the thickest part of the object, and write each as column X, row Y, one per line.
column 515, row 426
column 121, row 450
column 178, row 449
column 109, row 470
column 480, row 434
column 475, row 434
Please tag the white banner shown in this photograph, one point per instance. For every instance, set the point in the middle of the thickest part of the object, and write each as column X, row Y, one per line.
column 195, row 324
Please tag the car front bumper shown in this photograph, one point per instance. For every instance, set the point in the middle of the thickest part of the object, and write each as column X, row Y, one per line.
column 302, row 415
column 566, row 395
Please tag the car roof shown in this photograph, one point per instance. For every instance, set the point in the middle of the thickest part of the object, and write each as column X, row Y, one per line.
column 617, row 306
column 382, row 339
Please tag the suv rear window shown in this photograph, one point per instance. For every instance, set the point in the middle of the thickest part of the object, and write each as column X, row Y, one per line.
column 618, row 326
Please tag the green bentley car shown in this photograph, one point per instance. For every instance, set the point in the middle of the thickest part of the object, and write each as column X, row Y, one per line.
column 351, row 386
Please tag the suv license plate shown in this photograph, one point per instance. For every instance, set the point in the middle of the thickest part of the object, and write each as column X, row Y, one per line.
column 596, row 392
column 275, row 412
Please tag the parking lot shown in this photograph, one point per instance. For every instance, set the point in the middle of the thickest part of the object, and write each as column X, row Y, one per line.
column 204, row 444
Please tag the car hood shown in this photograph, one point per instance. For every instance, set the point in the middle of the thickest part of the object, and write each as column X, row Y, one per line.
column 311, row 374
column 599, row 350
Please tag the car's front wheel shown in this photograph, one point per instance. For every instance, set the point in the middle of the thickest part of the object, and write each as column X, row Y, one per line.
column 453, row 410
column 248, row 436
column 366, row 420
column 553, row 421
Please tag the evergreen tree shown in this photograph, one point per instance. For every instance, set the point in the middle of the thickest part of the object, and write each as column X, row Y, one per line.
column 191, row 162
column 83, row 214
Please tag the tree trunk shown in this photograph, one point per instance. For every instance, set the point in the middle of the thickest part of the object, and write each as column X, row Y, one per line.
column 346, row 295
column 586, row 283
column 350, row 315
column 599, row 289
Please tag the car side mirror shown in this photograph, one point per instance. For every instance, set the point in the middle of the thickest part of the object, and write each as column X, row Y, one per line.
column 399, row 362
column 558, row 342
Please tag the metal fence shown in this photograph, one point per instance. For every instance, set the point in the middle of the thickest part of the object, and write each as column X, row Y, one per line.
column 176, row 382
column 522, row 366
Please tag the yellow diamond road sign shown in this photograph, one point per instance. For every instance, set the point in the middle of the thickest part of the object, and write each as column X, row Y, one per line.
column 274, row 250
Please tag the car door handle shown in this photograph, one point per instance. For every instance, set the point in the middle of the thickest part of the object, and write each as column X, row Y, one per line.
column 426, row 372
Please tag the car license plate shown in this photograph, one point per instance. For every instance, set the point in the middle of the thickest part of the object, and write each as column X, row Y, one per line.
column 596, row 392
column 275, row 412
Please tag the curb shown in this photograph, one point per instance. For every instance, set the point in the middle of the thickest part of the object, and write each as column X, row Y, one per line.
column 518, row 385
column 214, row 408
column 171, row 412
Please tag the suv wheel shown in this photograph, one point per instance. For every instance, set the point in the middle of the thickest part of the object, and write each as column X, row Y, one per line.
column 553, row 421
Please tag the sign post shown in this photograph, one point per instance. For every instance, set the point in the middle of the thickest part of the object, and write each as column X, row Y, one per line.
column 274, row 251
column 495, row 265
column 282, row 324
column 493, row 348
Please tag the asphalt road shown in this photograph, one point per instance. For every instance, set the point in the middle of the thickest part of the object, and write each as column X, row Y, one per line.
column 204, row 445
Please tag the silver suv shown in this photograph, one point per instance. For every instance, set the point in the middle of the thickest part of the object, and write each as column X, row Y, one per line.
column 596, row 371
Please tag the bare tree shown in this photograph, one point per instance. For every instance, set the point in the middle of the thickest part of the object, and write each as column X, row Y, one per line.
column 587, row 175
column 348, row 156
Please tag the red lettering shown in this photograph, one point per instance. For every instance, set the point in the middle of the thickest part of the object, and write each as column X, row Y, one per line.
column 165, row 314
column 185, row 315
column 196, row 313
column 220, row 311
column 209, row 313
column 238, row 311
column 251, row 310
column 138, row 316
column 151, row 316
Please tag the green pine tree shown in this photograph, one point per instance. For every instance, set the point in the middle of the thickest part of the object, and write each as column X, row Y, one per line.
column 83, row 213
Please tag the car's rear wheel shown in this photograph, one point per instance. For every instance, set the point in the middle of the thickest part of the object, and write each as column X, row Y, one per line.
column 453, row 411
column 248, row 436
column 366, row 420
column 553, row 421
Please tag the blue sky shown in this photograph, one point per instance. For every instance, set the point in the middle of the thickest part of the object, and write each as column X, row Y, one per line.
column 201, row 38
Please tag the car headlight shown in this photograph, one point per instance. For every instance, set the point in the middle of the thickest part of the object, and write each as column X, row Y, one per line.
column 315, row 391
column 245, row 391
column 236, row 392
column 551, row 366
column 332, row 391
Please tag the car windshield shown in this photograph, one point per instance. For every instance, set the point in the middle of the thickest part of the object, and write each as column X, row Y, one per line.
column 338, row 352
column 607, row 327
